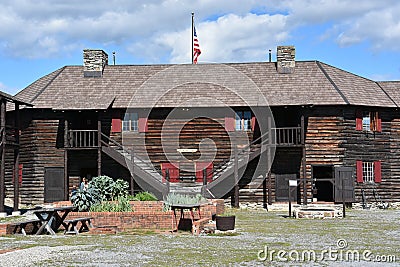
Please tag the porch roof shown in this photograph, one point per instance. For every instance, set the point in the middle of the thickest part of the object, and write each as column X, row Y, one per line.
column 205, row 85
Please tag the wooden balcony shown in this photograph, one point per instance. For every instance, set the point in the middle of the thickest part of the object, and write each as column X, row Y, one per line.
column 286, row 136
column 79, row 139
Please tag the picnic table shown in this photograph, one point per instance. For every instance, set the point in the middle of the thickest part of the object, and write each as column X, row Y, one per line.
column 183, row 207
column 52, row 218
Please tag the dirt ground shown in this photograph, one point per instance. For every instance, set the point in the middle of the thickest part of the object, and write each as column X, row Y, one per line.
column 363, row 238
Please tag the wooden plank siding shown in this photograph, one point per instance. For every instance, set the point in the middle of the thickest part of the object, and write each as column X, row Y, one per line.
column 369, row 146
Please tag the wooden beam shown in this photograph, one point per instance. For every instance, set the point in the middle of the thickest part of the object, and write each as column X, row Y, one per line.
column 99, row 145
column 16, row 157
column 236, row 175
column 3, row 152
column 303, row 136
column 132, row 172
column 66, row 145
column 269, row 160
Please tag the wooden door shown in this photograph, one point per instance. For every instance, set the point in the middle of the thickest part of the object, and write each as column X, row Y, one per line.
column 54, row 184
column 282, row 187
column 344, row 184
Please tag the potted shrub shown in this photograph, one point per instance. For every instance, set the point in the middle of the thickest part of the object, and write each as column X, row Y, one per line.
column 225, row 221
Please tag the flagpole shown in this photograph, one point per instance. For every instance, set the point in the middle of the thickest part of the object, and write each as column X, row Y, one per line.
column 192, row 37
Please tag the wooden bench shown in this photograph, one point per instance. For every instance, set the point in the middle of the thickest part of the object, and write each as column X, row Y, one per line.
column 72, row 225
column 22, row 226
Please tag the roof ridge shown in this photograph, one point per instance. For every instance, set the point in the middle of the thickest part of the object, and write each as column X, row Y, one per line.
column 332, row 82
column 47, row 85
column 377, row 83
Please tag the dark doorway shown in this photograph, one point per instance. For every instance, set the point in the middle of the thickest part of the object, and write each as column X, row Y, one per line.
column 88, row 173
column 282, row 187
column 54, row 184
column 323, row 177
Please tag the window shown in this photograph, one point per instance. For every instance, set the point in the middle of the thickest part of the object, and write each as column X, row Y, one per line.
column 243, row 121
column 368, row 121
column 130, row 122
column 368, row 171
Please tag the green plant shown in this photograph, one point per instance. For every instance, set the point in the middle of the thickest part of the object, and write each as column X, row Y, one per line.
column 119, row 189
column 104, row 184
column 108, row 189
column 144, row 196
column 83, row 200
column 176, row 199
column 119, row 205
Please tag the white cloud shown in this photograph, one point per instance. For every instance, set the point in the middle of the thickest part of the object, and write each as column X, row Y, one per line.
column 159, row 30
column 230, row 38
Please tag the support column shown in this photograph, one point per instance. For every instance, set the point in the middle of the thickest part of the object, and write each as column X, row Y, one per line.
column 269, row 163
column 264, row 185
column 3, row 152
column 99, row 145
column 304, row 161
column 16, row 157
column 236, row 176
column 66, row 145
column 132, row 171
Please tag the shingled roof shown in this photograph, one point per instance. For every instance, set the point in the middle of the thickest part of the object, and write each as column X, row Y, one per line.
column 234, row 84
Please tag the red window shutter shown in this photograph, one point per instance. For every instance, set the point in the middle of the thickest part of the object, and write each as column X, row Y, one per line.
column 116, row 125
column 253, row 123
column 229, row 124
column 378, row 122
column 359, row 118
column 173, row 170
column 200, row 166
column 359, row 171
column 377, row 172
column 143, row 125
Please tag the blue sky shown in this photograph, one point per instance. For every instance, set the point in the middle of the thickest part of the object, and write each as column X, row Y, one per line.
column 38, row 37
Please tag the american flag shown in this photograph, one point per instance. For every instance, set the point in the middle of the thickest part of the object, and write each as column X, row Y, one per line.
column 196, row 46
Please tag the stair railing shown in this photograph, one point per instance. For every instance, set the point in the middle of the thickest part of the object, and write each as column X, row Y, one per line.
column 125, row 151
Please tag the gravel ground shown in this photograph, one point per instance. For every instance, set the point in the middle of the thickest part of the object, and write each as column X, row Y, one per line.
column 375, row 232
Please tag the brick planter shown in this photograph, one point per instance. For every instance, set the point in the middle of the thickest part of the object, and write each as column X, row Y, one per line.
column 147, row 215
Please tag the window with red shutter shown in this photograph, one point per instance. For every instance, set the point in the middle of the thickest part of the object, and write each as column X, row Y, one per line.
column 116, row 125
column 377, row 172
column 229, row 124
column 359, row 171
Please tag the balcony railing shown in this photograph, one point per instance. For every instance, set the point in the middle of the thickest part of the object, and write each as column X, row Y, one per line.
column 286, row 136
column 82, row 138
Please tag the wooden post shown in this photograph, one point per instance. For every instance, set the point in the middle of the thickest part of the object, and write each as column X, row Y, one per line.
column 167, row 179
column 236, row 176
column 269, row 163
column 265, row 192
column 304, row 161
column 205, row 176
column 16, row 157
column 66, row 145
column 290, row 200
column 99, row 146
column 132, row 171
column 3, row 152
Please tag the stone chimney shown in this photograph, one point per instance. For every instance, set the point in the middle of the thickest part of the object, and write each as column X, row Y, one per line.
column 285, row 57
column 94, row 61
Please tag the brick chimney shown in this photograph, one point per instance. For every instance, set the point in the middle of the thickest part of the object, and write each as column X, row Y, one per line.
column 94, row 61
column 285, row 57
